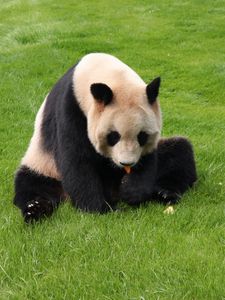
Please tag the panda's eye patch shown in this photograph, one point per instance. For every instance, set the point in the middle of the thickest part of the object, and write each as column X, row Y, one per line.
column 112, row 138
column 142, row 138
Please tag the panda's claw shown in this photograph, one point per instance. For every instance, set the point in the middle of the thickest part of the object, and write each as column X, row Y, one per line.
column 167, row 196
column 36, row 209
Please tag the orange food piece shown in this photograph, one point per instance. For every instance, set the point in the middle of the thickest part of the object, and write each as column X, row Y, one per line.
column 127, row 169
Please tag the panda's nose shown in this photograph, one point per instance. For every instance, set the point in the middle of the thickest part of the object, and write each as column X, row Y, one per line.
column 127, row 164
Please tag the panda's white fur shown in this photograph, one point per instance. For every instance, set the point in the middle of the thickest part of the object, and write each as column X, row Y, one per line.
column 36, row 158
column 99, row 67
column 129, row 113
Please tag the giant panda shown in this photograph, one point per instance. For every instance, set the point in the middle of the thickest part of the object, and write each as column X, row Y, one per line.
column 98, row 119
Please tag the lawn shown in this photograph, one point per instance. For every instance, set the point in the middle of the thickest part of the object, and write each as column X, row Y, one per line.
column 135, row 254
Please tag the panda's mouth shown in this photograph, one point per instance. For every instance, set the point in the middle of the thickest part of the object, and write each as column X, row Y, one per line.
column 127, row 164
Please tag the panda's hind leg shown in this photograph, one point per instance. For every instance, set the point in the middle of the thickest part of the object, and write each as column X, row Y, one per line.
column 36, row 195
column 176, row 169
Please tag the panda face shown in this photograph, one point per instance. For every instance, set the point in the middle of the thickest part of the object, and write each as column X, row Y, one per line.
column 123, row 113
column 125, row 135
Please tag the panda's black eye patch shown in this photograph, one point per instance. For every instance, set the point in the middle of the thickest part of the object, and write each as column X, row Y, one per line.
column 113, row 138
column 142, row 138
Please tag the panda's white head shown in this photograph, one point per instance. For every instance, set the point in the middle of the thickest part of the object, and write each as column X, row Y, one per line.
column 124, row 129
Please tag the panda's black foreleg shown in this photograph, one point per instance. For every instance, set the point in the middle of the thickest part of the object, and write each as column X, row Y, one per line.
column 111, row 181
column 36, row 195
column 83, row 183
column 76, row 157
column 137, row 187
column 176, row 169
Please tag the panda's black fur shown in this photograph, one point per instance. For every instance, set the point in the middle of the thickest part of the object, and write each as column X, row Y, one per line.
column 92, row 182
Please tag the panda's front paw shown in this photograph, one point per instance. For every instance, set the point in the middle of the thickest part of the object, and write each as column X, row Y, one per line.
column 133, row 194
column 167, row 196
column 36, row 209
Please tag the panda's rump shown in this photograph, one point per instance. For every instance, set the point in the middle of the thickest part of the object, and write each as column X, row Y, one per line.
column 36, row 157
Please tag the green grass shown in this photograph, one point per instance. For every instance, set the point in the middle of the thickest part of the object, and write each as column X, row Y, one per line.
column 133, row 254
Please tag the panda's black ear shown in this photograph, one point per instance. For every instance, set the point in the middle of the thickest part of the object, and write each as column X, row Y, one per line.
column 152, row 90
column 102, row 93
